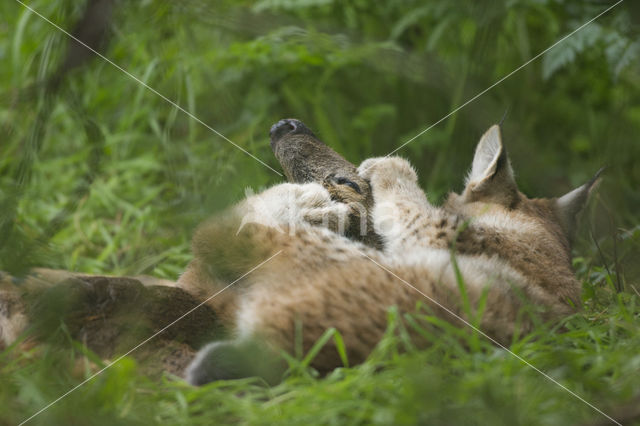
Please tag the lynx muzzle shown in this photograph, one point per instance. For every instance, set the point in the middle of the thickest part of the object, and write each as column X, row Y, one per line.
column 304, row 158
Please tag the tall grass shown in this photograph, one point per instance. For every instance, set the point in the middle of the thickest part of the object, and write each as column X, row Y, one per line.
column 103, row 176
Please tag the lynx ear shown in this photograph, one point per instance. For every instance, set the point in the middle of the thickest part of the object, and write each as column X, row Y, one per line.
column 571, row 204
column 491, row 174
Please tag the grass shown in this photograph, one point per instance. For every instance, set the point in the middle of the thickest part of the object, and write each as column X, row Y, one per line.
column 102, row 176
column 598, row 358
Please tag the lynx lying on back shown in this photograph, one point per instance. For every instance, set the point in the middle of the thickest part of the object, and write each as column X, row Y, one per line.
column 513, row 249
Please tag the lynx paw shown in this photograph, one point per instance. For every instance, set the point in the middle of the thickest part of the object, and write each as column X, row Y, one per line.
column 386, row 172
column 228, row 360
column 13, row 320
column 291, row 204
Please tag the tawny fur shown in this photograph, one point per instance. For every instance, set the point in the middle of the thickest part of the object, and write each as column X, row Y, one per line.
column 513, row 248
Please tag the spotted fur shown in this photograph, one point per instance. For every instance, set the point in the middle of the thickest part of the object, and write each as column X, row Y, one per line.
column 508, row 248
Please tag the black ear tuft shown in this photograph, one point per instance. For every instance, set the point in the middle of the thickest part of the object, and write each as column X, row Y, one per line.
column 572, row 203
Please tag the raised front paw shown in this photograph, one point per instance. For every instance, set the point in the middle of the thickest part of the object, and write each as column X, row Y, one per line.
column 293, row 205
column 386, row 172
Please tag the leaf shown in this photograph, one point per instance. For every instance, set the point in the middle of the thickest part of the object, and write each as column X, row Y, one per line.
column 566, row 51
column 408, row 20
column 631, row 54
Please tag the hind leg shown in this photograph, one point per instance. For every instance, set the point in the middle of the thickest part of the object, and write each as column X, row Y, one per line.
column 235, row 359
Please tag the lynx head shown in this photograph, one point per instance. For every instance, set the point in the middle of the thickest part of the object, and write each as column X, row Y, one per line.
column 535, row 234
column 491, row 189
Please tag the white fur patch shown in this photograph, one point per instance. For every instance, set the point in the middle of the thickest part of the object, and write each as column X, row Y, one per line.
column 477, row 271
column 11, row 327
column 292, row 205
column 246, row 320
column 502, row 221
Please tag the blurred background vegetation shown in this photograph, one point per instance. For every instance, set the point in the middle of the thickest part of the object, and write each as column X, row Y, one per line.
column 100, row 175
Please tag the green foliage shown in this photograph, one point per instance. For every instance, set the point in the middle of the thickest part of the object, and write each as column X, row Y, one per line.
column 103, row 176
column 596, row 356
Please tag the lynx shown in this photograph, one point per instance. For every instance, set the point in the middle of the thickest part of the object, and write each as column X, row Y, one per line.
column 488, row 243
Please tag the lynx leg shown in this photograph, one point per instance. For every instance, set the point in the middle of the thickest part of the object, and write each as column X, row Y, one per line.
column 235, row 359
column 13, row 320
column 400, row 206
